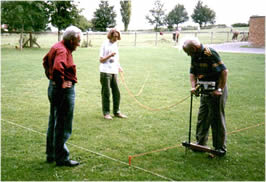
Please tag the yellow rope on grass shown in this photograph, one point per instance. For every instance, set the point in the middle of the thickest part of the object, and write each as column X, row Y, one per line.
column 141, row 89
column 145, row 106
column 179, row 145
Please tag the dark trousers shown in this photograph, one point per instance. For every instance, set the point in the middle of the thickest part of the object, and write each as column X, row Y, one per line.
column 211, row 113
column 62, row 103
column 109, row 83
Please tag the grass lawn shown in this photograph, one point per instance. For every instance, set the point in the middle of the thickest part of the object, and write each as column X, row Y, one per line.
column 103, row 146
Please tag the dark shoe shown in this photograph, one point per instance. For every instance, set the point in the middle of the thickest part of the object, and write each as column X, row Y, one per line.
column 119, row 115
column 69, row 163
column 220, row 152
column 49, row 159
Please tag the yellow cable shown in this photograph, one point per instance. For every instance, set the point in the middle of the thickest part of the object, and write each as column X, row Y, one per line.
column 141, row 89
column 179, row 145
column 145, row 106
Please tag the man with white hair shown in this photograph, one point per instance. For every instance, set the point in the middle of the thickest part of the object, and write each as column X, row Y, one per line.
column 61, row 72
column 207, row 67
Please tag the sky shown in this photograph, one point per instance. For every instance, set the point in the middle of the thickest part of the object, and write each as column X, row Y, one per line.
column 227, row 11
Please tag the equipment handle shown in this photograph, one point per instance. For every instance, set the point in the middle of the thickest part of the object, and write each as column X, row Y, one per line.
column 190, row 117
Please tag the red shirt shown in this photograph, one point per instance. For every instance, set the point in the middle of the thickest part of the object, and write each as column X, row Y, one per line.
column 58, row 64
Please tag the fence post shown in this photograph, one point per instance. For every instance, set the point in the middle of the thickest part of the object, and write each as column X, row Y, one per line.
column 211, row 37
column 87, row 45
column 227, row 37
column 156, row 38
column 20, row 41
column 135, row 39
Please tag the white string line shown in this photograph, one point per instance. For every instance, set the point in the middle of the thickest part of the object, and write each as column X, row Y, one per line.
column 96, row 153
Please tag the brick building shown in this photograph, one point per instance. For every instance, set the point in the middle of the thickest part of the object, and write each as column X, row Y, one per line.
column 257, row 31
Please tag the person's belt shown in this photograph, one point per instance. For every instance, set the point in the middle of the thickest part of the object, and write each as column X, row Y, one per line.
column 54, row 83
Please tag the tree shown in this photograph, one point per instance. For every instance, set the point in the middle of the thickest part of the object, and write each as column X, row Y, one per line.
column 82, row 23
column 104, row 17
column 125, row 12
column 176, row 16
column 63, row 14
column 24, row 16
column 157, row 15
column 203, row 14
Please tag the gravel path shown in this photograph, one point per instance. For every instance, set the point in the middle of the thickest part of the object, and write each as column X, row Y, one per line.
column 235, row 47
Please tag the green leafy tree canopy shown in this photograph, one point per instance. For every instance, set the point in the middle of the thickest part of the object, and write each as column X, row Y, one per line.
column 104, row 17
column 176, row 16
column 157, row 15
column 24, row 15
column 203, row 14
column 63, row 14
column 83, row 23
column 125, row 12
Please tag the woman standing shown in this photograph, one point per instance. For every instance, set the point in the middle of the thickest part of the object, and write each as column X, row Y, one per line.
column 109, row 68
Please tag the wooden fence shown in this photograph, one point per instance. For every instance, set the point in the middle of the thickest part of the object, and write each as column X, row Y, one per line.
column 95, row 39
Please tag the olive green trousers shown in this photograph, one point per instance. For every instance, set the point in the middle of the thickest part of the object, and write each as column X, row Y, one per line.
column 109, row 84
column 211, row 113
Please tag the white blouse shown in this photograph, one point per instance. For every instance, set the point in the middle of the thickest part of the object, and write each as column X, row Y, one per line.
column 112, row 64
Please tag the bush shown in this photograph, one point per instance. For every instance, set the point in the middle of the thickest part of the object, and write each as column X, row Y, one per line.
column 86, row 44
column 240, row 25
column 189, row 27
column 208, row 27
column 221, row 26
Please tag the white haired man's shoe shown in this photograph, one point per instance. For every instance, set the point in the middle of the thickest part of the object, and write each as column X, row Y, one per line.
column 119, row 115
